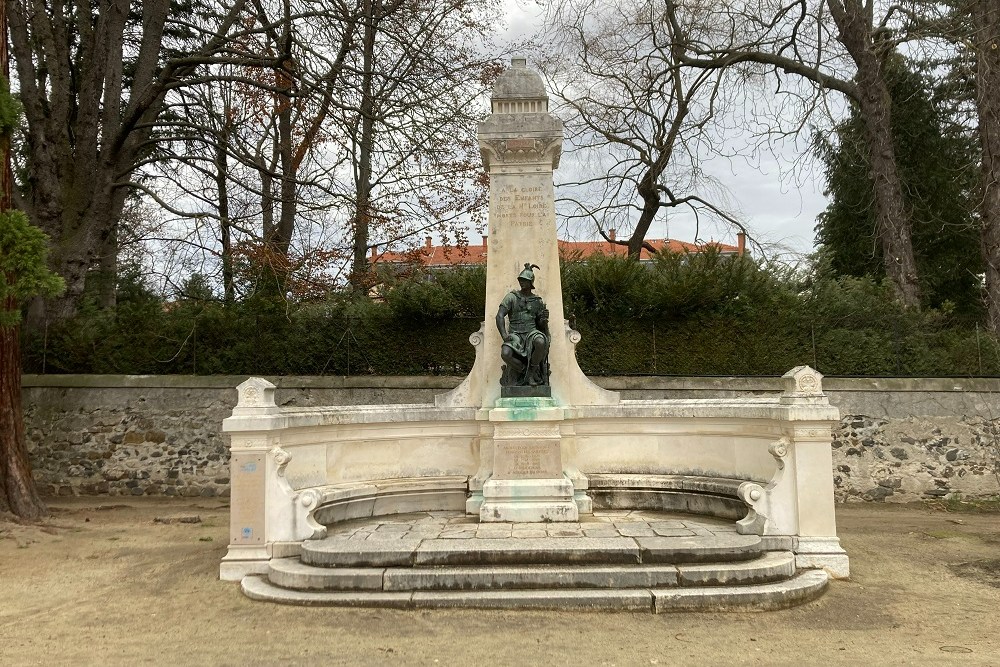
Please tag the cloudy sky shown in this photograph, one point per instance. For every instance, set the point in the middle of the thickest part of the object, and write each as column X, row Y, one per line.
column 778, row 203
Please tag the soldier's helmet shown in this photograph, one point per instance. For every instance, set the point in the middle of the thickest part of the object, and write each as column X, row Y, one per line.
column 528, row 274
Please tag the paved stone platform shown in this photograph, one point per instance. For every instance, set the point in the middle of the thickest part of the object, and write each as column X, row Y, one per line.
column 614, row 559
column 610, row 537
column 602, row 524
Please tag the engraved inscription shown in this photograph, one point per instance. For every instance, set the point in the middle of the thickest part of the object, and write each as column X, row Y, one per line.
column 247, row 517
column 526, row 460
column 521, row 207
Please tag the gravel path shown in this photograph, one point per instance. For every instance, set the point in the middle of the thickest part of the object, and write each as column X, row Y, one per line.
column 134, row 581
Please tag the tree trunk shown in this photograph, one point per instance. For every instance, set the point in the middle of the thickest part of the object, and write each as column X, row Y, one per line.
column 80, row 228
column 648, row 187
column 650, row 207
column 267, row 192
column 17, row 488
column 72, row 265
column 281, row 237
column 892, row 215
column 108, row 268
column 986, row 17
column 221, row 174
column 363, row 166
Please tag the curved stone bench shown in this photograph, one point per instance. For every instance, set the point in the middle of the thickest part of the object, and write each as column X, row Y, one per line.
column 712, row 496
column 763, row 462
column 358, row 500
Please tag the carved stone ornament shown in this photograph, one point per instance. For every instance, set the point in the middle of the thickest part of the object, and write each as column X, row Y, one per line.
column 248, row 443
column 808, row 384
column 755, row 498
column 309, row 498
column 802, row 382
column 255, row 394
column 779, row 450
column 281, row 459
column 521, row 150
column 504, row 432
column 476, row 338
column 573, row 335
column 813, row 434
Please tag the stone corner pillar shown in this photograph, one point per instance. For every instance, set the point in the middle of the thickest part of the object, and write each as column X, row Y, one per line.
column 252, row 430
column 811, row 421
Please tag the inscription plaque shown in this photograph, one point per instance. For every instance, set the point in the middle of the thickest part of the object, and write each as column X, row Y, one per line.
column 524, row 206
column 246, row 518
column 526, row 459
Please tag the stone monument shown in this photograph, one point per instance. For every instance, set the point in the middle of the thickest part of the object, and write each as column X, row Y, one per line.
column 522, row 476
column 535, row 442
column 521, row 143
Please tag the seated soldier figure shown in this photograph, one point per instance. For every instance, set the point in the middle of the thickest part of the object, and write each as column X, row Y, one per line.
column 525, row 348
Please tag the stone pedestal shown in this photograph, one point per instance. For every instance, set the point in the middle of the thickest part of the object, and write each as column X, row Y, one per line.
column 527, row 484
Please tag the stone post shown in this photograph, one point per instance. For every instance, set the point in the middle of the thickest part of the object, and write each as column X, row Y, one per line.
column 812, row 420
column 248, row 540
column 522, row 473
column 528, row 483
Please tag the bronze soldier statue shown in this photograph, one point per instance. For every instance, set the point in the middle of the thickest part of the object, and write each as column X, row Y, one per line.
column 525, row 348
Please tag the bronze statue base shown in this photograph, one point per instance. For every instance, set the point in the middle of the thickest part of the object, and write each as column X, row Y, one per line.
column 538, row 391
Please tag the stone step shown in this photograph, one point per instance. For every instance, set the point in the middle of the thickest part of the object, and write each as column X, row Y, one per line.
column 343, row 551
column 801, row 588
column 293, row 574
column 807, row 585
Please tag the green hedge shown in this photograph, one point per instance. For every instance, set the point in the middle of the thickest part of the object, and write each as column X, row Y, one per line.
column 685, row 315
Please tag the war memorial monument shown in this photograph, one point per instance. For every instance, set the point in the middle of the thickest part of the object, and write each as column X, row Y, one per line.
column 528, row 485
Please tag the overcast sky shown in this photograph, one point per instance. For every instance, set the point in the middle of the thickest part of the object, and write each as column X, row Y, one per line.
column 778, row 206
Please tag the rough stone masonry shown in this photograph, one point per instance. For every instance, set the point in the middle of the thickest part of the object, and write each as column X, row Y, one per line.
column 900, row 440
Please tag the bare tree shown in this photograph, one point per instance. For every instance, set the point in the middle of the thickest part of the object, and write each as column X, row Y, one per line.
column 836, row 45
column 408, row 116
column 256, row 152
column 93, row 79
column 638, row 116
column 389, row 87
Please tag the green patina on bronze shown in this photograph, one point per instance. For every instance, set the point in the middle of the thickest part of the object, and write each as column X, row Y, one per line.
column 523, row 322
column 523, row 409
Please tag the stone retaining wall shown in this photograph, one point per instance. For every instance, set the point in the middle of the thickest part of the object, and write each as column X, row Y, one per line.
column 899, row 440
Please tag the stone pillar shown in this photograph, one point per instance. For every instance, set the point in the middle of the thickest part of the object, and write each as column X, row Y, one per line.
column 248, row 540
column 521, row 143
column 812, row 420
column 522, row 472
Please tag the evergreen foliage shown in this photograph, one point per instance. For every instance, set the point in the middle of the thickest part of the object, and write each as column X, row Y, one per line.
column 23, row 270
column 699, row 314
column 937, row 165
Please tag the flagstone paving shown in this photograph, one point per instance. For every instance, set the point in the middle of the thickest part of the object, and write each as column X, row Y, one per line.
column 459, row 526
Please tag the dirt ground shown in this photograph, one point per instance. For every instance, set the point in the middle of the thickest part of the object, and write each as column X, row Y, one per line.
column 103, row 582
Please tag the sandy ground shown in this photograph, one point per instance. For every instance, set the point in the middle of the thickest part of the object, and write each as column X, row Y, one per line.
column 102, row 582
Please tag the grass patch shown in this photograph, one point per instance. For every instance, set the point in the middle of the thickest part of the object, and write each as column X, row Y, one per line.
column 944, row 534
column 958, row 503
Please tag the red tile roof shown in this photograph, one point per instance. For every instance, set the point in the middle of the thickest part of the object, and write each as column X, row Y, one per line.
column 432, row 255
